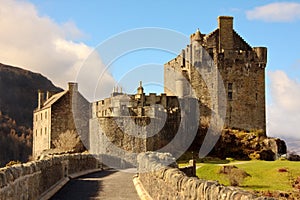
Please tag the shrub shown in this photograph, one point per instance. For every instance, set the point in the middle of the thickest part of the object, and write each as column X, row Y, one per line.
column 292, row 156
column 68, row 141
column 236, row 176
column 11, row 163
column 254, row 156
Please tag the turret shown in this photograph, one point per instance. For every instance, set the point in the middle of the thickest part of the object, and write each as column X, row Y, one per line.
column 261, row 53
column 196, row 36
column 140, row 89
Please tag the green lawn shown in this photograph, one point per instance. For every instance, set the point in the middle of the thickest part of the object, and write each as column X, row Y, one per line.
column 264, row 174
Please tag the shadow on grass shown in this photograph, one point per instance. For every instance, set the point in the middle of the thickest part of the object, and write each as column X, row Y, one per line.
column 253, row 187
column 216, row 161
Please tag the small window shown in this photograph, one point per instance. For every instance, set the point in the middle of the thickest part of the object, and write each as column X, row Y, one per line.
column 229, row 86
column 256, row 96
column 45, row 130
column 230, row 96
column 41, row 116
column 46, row 115
column 209, row 69
column 36, row 132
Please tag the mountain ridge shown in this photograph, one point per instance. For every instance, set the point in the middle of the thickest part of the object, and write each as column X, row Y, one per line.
column 18, row 92
column 18, row 99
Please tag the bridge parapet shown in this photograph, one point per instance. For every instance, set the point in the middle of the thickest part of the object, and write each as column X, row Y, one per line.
column 34, row 180
column 168, row 182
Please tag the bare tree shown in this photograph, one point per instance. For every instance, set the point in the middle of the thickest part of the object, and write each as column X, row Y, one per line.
column 67, row 141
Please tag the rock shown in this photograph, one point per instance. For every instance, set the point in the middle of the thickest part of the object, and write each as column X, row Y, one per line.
column 267, row 154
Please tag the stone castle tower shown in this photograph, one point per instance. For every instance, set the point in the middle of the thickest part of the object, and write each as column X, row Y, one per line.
column 241, row 69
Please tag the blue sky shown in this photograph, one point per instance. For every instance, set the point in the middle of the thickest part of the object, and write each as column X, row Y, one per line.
column 100, row 20
column 54, row 38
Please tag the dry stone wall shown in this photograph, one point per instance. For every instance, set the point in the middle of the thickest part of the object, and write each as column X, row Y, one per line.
column 168, row 182
column 31, row 180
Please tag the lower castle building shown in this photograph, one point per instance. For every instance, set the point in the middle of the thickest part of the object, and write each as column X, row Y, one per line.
column 55, row 115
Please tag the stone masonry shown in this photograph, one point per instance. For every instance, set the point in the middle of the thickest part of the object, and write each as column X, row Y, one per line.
column 57, row 113
column 168, row 182
column 242, row 72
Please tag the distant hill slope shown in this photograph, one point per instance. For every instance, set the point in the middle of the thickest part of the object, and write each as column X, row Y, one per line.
column 15, row 141
column 18, row 92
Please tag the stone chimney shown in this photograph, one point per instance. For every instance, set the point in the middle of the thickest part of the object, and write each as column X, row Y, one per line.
column 40, row 99
column 225, row 33
column 73, row 87
column 48, row 95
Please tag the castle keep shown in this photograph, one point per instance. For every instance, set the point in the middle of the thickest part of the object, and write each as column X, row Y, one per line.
column 241, row 68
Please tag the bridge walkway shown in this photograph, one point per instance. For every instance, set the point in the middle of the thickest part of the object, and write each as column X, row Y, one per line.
column 107, row 184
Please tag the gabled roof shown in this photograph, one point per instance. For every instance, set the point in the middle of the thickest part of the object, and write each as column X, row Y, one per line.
column 53, row 99
column 207, row 36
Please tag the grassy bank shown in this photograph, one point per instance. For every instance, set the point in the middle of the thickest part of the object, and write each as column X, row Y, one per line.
column 264, row 175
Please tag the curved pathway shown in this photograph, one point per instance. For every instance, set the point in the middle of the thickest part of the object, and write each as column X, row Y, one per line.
column 108, row 184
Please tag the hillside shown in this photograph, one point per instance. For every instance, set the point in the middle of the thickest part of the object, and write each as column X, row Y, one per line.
column 18, row 92
column 15, row 141
column 18, row 99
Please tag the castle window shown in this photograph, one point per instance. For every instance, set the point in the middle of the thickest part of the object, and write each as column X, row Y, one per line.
column 36, row 132
column 230, row 86
column 45, row 130
column 41, row 116
column 46, row 115
column 256, row 96
column 230, row 96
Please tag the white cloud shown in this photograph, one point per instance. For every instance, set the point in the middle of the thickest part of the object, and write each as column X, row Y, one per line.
column 39, row 44
column 283, row 114
column 276, row 12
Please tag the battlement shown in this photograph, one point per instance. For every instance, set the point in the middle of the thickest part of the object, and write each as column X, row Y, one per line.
column 139, row 104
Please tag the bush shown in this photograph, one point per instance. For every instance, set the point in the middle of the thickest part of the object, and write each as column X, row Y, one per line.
column 237, row 176
column 11, row 163
column 230, row 159
column 292, row 156
column 68, row 141
column 254, row 156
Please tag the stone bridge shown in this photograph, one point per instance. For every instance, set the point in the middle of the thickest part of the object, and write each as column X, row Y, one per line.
column 81, row 176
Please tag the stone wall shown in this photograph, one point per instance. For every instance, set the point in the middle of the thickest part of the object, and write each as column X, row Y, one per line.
column 165, row 182
column 125, row 137
column 242, row 74
column 41, row 130
column 33, row 179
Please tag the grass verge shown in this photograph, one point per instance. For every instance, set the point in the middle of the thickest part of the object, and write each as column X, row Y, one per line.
column 265, row 175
